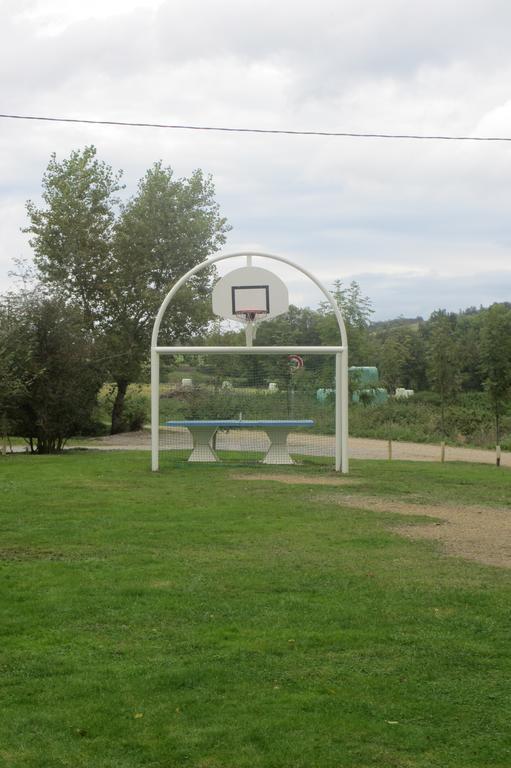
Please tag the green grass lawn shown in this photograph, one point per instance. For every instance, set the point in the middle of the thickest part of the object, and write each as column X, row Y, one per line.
column 188, row 619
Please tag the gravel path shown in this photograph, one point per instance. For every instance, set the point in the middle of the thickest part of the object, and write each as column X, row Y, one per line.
column 318, row 445
column 473, row 532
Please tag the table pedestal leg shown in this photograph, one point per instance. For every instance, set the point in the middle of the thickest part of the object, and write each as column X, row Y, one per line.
column 277, row 452
column 202, row 450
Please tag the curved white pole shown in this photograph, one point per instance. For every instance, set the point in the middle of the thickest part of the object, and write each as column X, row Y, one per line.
column 182, row 280
column 341, row 367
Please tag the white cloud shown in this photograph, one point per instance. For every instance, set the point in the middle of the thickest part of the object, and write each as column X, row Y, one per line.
column 339, row 206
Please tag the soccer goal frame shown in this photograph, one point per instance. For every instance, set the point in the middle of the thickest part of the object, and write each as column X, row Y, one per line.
column 340, row 352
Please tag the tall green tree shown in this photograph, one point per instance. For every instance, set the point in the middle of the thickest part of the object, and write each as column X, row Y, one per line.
column 395, row 357
column 117, row 260
column 468, row 331
column 443, row 359
column 51, row 360
column 356, row 310
column 496, row 360
column 71, row 233
column 167, row 228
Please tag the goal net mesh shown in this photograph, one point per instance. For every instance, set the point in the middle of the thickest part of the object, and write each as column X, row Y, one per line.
column 241, row 388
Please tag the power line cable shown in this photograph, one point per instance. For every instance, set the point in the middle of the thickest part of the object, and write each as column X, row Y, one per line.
column 277, row 131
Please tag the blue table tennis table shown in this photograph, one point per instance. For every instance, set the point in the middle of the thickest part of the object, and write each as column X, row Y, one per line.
column 202, row 433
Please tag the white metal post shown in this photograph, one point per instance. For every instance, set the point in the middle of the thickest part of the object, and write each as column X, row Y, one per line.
column 345, row 401
column 155, row 409
column 249, row 330
column 338, row 413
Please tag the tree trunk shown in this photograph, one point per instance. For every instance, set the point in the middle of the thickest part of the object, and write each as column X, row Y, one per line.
column 118, row 423
column 48, row 445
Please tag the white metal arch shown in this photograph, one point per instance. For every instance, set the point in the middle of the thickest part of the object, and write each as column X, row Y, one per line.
column 249, row 254
column 341, row 355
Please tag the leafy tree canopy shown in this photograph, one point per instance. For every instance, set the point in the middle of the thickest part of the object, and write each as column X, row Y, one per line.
column 117, row 260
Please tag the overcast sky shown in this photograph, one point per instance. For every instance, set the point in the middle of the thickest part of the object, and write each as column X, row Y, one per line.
column 420, row 225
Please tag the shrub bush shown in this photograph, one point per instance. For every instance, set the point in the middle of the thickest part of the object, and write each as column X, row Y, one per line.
column 136, row 410
column 137, row 407
column 469, row 420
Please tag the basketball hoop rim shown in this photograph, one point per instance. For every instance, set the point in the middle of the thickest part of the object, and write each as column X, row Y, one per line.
column 250, row 314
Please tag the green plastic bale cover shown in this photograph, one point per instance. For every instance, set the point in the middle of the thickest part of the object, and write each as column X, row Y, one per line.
column 323, row 394
column 373, row 396
column 365, row 375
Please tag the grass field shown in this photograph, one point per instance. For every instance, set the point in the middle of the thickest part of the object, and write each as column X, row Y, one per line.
column 193, row 619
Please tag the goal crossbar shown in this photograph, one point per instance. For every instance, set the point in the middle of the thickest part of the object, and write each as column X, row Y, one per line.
column 294, row 350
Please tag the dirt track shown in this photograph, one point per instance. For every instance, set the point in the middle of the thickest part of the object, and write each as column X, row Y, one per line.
column 473, row 532
column 476, row 533
column 360, row 448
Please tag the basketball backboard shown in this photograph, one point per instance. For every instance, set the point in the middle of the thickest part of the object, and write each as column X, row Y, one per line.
column 249, row 294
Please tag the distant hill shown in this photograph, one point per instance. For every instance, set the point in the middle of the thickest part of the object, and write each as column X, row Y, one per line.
column 415, row 322
column 398, row 322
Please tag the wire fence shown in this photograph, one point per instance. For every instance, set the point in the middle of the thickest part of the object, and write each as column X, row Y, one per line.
column 261, row 402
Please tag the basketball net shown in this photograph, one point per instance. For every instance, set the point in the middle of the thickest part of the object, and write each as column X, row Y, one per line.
column 249, row 317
